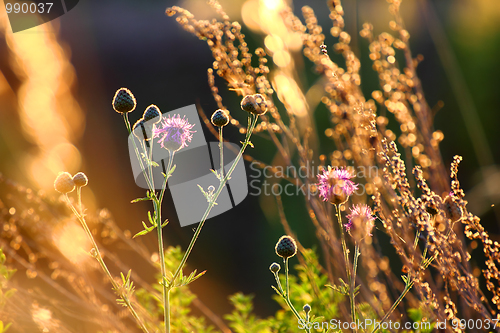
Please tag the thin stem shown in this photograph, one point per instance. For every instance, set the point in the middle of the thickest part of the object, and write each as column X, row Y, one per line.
column 346, row 259
column 213, row 201
column 127, row 124
column 353, row 282
column 394, row 306
column 165, row 291
column 99, row 259
column 221, row 149
column 286, row 296
column 287, row 285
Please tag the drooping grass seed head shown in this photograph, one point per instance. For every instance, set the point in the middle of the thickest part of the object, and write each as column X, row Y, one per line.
column 286, row 247
column 275, row 267
column 151, row 113
column 174, row 133
column 220, row 118
column 255, row 104
column 143, row 130
column 335, row 185
column 124, row 101
column 360, row 222
column 307, row 308
column 80, row 179
column 64, row 183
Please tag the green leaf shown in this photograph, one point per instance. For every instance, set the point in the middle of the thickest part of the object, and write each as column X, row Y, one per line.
column 164, row 223
column 140, row 199
column 152, row 220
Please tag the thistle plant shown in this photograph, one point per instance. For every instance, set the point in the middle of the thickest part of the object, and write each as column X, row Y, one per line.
column 173, row 134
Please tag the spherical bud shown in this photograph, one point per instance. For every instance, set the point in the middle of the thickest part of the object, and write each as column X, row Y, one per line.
column 64, row 183
column 124, row 101
column 220, row 118
column 80, row 179
column 286, row 247
column 275, row 267
column 152, row 112
column 255, row 104
column 307, row 308
column 142, row 130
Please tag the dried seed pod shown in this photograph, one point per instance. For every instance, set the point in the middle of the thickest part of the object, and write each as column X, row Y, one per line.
column 64, row 183
column 286, row 247
column 220, row 118
column 275, row 267
column 255, row 104
column 124, row 101
column 80, row 179
column 152, row 112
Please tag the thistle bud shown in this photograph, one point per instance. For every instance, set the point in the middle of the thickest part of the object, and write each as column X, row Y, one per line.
column 142, row 131
column 64, row 183
column 286, row 247
column 307, row 308
column 124, row 101
column 152, row 112
column 220, row 118
column 275, row 267
column 80, row 179
column 255, row 104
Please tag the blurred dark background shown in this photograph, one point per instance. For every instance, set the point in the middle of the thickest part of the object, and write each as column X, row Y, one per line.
column 133, row 44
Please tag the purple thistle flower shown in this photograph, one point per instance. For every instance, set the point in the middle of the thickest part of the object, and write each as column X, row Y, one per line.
column 335, row 185
column 361, row 220
column 174, row 132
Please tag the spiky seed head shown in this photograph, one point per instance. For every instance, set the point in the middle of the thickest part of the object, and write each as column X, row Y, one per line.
column 124, row 101
column 307, row 308
column 286, row 247
column 275, row 267
column 220, row 118
column 152, row 112
column 64, row 183
column 80, row 179
column 255, row 104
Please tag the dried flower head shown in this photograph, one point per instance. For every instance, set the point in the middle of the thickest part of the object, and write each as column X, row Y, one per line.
column 124, row 101
column 286, row 247
column 220, row 118
column 335, row 185
column 80, row 179
column 64, row 183
column 174, row 133
column 275, row 267
column 360, row 221
column 151, row 113
column 255, row 104
column 307, row 308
